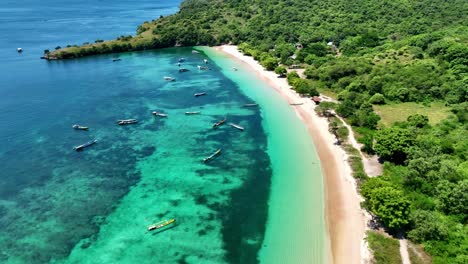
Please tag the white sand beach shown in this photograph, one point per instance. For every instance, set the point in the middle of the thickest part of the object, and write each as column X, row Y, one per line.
column 344, row 217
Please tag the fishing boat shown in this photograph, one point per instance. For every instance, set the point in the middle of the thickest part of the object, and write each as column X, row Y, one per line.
column 250, row 105
column 183, row 70
column 192, row 113
column 236, row 126
column 161, row 224
column 296, row 103
column 78, row 127
column 212, row 156
column 159, row 114
column 85, row 145
column 203, row 68
column 126, row 122
column 199, row 94
column 169, row 79
column 217, row 124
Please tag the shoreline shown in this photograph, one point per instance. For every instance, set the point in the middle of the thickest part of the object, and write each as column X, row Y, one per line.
column 345, row 220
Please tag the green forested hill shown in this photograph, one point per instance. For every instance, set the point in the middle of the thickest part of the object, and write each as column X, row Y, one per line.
column 371, row 54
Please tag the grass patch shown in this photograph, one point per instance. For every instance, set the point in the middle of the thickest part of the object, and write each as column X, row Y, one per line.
column 327, row 92
column 437, row 111
column 385, row 250
column 417, row 254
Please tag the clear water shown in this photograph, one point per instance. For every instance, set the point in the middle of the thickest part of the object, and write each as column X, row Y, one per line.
column 61, row 206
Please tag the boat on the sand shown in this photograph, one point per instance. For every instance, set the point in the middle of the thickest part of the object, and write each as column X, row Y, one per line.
column 161, row 224
column 85, row 145
column 78, row 127
column 217, row 124
column 126, row 122
column 236, row 126
column 296, row 103
column 212, row 156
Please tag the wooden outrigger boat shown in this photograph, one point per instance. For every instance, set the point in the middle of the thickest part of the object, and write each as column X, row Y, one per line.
column 85, row 145
column 199, row 94
column 212, row 156
column 192, row 113
column 296, row 103
column 217, row 124
column 78, row 127
column 126, row 122
column 159, row 114
column 250, row 105
column 236, row 126
column 161, row 224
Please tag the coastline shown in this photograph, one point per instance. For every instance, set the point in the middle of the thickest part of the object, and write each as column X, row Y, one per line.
column 345, row 221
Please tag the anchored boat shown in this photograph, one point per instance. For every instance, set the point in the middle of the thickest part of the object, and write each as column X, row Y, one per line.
column 236, row 126
column 78, row 127
column 203, row 68
column 192, row 113
column 85, row 145
column 183, row 70
column 161, row 224
column 169, row 79
column 116, row 59
column 126, row 122
column 159, row 114
column 217, row 124
column 212, row 156
column 250, row 105
column 199, row 94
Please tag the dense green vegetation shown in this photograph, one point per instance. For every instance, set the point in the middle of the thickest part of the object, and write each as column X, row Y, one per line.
column 372, row 55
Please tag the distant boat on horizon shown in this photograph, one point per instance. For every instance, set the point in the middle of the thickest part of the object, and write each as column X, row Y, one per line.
column 85, row 145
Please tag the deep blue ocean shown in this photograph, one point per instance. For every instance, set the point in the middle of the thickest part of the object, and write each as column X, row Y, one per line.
column 62, row 206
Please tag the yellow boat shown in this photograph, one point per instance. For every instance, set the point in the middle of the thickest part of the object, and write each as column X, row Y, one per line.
column 161, row 224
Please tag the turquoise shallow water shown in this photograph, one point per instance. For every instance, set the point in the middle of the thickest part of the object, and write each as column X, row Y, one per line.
column 295, row 231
